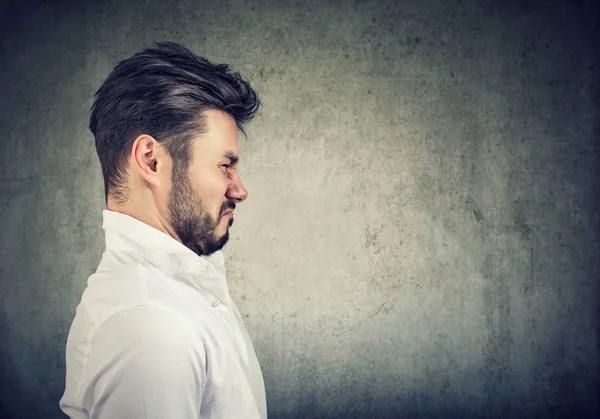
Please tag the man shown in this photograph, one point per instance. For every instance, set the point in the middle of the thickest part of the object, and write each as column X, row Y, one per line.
column 156, row 334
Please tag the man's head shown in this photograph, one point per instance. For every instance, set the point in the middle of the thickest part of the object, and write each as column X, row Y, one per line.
column 165, row 124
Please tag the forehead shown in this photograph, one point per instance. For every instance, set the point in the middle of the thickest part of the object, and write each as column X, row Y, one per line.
column 219, row 139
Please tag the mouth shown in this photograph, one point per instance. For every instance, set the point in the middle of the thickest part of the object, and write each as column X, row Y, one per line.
column 226, row 213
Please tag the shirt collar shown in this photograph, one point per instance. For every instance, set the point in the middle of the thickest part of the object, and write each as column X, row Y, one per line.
column 124, row 232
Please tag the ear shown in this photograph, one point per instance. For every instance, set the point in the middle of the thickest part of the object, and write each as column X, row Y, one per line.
column 148, row 159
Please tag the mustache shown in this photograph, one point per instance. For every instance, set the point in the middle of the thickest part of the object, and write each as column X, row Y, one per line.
column 227, row 206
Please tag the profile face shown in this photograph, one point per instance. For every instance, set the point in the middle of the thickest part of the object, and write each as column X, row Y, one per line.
column 200, row 198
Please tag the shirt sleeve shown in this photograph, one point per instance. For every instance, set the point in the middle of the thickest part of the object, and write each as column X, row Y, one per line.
column 144, row 362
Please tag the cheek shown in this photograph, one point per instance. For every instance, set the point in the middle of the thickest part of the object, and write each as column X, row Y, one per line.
column 212, row 190
column 215, row 197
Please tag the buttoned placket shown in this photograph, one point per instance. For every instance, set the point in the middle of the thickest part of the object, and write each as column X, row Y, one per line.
column 224, row 309
column 210, row 282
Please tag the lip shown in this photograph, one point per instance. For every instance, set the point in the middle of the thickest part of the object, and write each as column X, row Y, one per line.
column 226, row 213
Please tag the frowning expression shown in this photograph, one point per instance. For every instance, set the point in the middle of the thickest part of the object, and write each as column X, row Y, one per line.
column 202, row 199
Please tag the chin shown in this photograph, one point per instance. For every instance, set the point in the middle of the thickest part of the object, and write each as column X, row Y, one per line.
column 224, row 239
column 218, row 244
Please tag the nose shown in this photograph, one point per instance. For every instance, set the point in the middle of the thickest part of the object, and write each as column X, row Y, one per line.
column 236, row 190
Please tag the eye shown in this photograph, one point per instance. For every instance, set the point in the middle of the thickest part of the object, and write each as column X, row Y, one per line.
column 227, row 168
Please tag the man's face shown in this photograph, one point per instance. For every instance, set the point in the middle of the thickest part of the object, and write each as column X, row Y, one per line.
column 199, row 198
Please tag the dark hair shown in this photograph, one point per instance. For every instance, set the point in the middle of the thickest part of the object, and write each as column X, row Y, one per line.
column 162, row 92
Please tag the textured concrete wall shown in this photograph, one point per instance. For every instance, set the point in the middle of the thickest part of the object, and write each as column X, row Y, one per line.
column 421, row 234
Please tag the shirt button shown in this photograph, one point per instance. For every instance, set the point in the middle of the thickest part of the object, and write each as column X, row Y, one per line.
column 216, row 303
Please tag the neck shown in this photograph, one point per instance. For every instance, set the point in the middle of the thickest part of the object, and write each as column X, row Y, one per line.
column 138, row 208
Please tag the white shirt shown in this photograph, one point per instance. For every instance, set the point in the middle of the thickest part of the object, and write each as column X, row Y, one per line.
column 156, row 335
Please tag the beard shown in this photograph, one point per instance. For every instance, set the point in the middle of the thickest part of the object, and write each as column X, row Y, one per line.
column 193, row 224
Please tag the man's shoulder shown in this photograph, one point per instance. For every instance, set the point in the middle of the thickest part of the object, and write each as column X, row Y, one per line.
column 149, row 321
column 130, row 322
column 122, row 285
column 109, row 291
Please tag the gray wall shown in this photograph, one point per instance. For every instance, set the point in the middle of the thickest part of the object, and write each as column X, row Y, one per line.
column 421, row 234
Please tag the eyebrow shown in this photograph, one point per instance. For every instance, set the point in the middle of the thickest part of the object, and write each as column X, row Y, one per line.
column 231, row 156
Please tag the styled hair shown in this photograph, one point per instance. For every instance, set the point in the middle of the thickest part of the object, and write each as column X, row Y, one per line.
column 162, row 92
